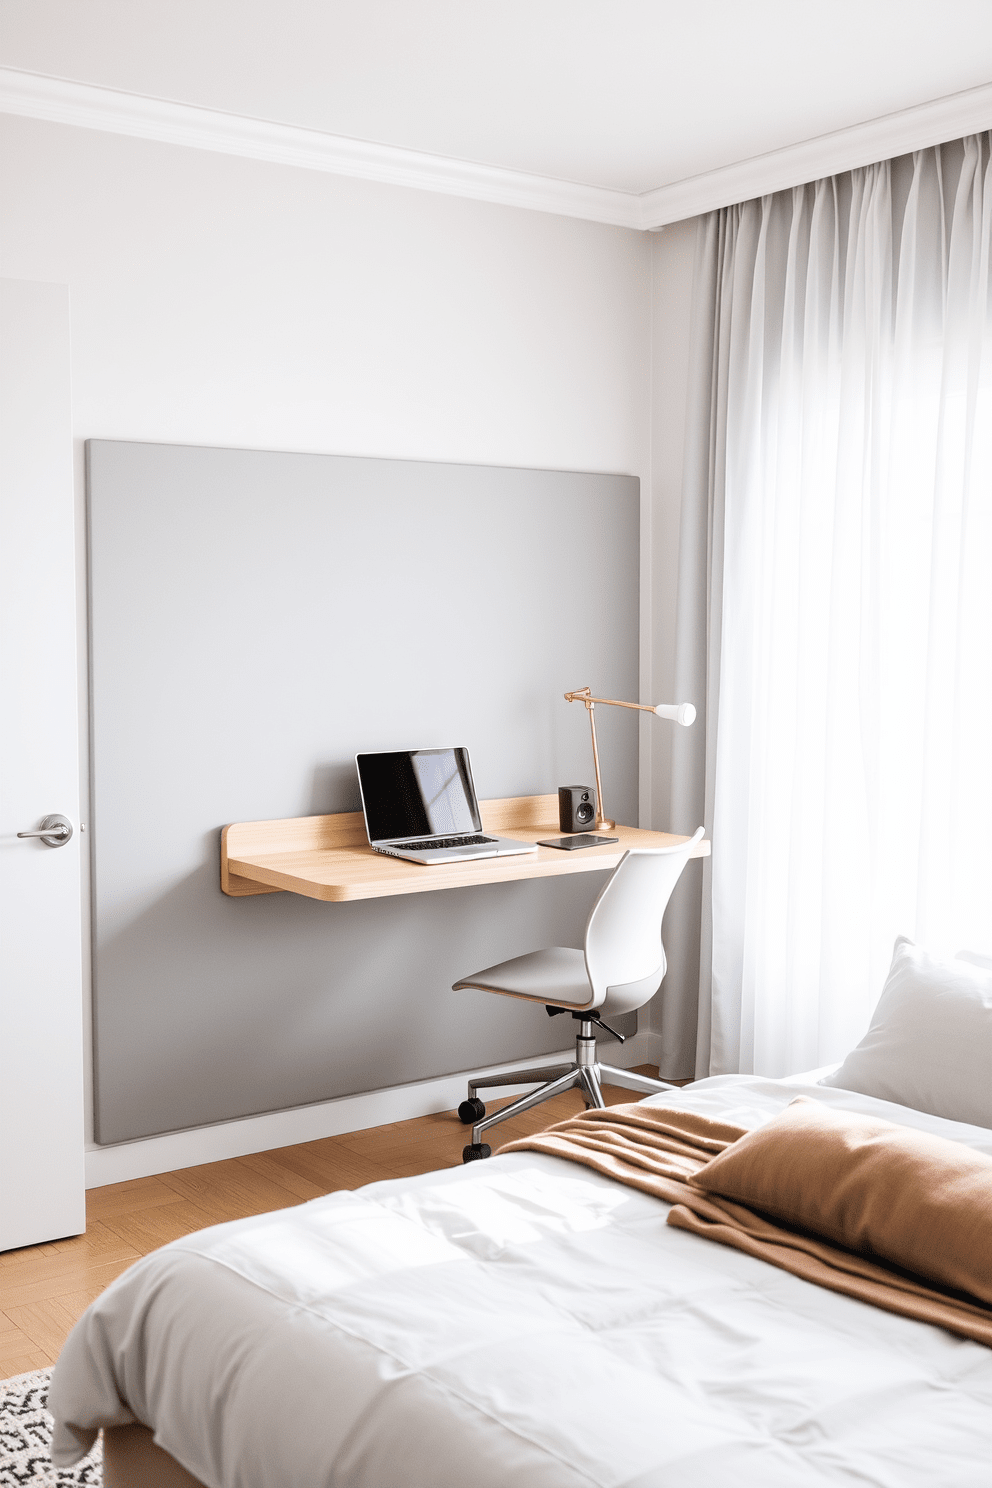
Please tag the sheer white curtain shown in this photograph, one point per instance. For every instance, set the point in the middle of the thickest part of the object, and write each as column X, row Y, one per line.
column 840, row 489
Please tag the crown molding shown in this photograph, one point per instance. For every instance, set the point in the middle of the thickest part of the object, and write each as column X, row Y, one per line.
column 86, row 106
column 884, row 138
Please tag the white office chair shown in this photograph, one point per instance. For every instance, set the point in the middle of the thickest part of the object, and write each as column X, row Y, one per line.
column 619, row 969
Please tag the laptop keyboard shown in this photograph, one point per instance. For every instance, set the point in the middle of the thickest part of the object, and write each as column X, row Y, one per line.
column 475, row 841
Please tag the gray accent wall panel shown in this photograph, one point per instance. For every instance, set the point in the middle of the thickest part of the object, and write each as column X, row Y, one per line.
column 255, row 619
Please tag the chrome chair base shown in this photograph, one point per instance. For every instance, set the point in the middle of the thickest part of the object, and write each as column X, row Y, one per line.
column 586, row 1072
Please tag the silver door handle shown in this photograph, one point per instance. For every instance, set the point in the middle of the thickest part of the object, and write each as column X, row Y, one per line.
column 54, row 831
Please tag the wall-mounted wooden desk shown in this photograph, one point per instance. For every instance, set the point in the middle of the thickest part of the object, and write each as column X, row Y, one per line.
column 328, row 857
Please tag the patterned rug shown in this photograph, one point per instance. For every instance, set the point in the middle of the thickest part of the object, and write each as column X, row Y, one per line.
column 26, row 1436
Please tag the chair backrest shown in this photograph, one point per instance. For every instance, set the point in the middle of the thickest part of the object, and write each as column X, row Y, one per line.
column 623, row 945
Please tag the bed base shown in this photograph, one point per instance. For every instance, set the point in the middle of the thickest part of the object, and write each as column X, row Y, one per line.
column 132, row 1460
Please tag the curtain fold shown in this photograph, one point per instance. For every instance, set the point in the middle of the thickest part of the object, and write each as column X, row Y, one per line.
column 835, row 596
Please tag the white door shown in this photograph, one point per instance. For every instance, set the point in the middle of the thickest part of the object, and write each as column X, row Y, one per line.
column 41, row 1043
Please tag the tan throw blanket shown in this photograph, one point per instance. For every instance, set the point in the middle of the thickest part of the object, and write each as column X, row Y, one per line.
column 921, row 1207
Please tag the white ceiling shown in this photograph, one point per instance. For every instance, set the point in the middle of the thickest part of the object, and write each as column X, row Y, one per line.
column 625, row 94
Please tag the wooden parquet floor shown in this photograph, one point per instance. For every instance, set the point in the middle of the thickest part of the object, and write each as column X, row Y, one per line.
column 44, row 1288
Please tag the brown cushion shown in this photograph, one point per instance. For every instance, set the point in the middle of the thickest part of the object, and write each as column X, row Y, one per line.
column 905, row 1197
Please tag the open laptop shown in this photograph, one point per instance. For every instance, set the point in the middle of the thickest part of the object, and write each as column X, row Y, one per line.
column 420, row 804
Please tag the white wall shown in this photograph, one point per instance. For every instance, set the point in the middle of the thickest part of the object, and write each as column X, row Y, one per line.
column 228, row 302
column 219, row 300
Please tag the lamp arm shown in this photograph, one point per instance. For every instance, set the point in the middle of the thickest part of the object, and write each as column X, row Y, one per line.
column 683, row 713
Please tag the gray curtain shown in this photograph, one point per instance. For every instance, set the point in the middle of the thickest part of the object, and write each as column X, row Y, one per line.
column 697, row 656
column 685, row 1021
column 839, row 435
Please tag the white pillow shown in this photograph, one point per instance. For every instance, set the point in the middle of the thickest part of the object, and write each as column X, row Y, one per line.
column 929, row 1043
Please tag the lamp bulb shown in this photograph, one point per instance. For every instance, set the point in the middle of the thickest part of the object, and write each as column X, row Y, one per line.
column 683, row 713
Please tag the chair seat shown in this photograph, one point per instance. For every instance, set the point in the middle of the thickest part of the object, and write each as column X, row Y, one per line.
column 556, row 977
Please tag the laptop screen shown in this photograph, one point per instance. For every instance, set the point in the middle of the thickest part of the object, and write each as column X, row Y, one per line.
column 417, row 793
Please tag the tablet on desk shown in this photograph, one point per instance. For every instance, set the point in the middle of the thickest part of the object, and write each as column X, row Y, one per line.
column 577, row 840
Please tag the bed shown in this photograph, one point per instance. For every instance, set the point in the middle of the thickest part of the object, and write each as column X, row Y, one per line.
column 531, row 1321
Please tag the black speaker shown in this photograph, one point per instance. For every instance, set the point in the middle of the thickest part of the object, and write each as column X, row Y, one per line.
column 576, row 808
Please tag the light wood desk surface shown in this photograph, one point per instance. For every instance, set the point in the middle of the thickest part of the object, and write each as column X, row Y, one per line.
column 328, row 857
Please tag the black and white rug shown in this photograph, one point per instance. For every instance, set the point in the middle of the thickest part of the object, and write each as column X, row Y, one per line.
column 26, row 1438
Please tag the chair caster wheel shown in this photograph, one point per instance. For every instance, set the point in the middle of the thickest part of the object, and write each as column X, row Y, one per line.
column 472, row 1110
column 475, row 1151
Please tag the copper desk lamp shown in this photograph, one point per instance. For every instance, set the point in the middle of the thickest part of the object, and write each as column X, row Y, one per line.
column 683, row 713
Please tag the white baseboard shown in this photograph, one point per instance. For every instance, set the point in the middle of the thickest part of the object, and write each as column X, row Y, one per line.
column 204, row 1144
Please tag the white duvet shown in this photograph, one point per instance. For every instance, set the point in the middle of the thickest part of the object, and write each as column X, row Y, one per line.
column 527, row 1322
